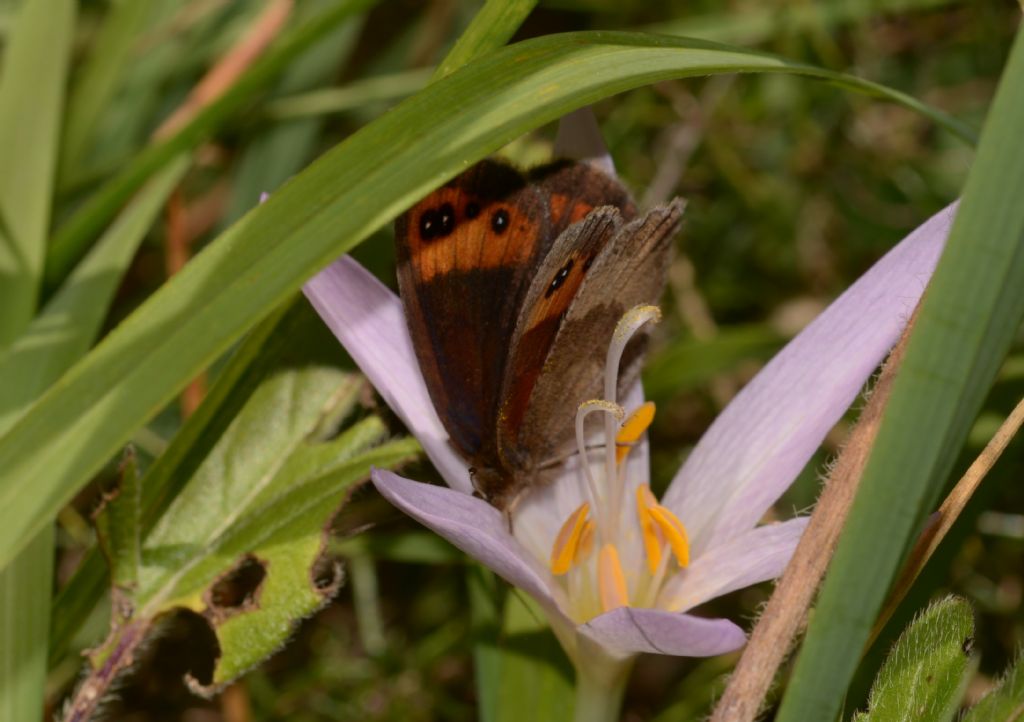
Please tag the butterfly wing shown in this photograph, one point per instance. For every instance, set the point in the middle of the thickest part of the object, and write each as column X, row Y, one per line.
column 465, row 257
column 624, row 265
column 574, row 189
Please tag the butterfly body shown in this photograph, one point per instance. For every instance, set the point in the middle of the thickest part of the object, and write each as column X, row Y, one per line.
column 512, row 285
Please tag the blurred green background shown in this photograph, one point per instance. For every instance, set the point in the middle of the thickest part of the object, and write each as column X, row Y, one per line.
column 794, row 186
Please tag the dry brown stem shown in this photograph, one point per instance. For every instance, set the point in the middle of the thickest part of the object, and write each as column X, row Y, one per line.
column 941, row 521
column 786, row 612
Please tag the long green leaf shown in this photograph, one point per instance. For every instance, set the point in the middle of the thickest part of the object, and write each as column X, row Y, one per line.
column 326, row 210
column 967, row 322
column 324, row 101
column 70, row 322
column 35, row 65
column 25, row 589
column 273, row 157
column 491, row 28
column 108, row 58
column 54, row 341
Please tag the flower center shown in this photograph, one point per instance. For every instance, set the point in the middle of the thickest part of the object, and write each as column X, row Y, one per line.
column 635, row 550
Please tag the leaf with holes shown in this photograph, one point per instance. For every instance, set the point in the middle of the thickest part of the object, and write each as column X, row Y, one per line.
column 926, row 672
column 243, row 542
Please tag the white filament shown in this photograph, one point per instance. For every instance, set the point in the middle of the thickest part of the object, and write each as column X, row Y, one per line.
column 632, row 321
column 613, row 412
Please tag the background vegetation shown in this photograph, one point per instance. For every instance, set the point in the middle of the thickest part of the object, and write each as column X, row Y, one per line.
column 795, row 187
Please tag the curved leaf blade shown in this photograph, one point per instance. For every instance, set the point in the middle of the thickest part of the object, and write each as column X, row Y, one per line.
column 326, row 210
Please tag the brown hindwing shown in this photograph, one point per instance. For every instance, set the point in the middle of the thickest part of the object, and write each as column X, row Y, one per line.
column 628, row 270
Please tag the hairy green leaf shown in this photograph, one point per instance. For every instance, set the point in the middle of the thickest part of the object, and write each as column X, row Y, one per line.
column 1005, row 703
column 927, row 670
column 118, row 527
column 241, row 544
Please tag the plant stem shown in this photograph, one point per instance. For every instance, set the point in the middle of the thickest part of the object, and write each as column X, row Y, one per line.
column 599, row 696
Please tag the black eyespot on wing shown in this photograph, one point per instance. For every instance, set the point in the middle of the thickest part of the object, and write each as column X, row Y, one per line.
column 559, row 278
column 430, row 225
column 446, row 215
column 499, row 221
column 437, row 222
column 472, row 210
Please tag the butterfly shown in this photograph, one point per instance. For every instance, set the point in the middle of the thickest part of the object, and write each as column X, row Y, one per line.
column 512, row 285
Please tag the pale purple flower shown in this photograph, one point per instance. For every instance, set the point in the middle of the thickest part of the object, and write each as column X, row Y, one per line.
column 746, row 460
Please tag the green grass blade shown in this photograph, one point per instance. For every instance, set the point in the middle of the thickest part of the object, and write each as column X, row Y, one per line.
column 393, row 86
column 334, row 204
column 98, row 80
column 761, row 23
column 25, row 587
column 286, row 148
column 69, row 324
column 967, row 322
column 35, row 63
column 491, row 28
column 72, row 239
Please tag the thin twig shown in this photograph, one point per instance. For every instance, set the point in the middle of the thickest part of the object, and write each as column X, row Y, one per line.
column 942, row 520
column 786, row 612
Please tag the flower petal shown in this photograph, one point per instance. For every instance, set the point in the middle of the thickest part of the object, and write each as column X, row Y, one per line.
column 472, row 525
column 369, row 321
column 753, row 556
column 627, row 631
column 757, row 446
column 579, row 138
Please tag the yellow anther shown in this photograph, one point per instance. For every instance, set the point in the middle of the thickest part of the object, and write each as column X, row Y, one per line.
column 632, row 429
column 653, row 540
column 657, row 526
column 586, row 543
column 674, row 531
column 611, row 581
column 567, row 542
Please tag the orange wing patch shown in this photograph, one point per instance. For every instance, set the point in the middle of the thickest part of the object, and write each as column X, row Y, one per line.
column 452, row 231
column 566, row 210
